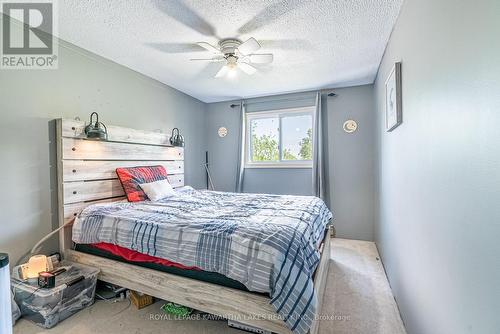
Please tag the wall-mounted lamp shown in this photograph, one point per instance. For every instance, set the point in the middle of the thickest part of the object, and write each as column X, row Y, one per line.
column 176, row 139
column 96, row 130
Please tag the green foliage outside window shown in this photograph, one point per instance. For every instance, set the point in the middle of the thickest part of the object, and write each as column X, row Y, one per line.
column 306, row 146
column 266, row 148
column 288, row 155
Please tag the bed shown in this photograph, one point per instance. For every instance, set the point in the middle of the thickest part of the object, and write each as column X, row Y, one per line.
column 274, row 245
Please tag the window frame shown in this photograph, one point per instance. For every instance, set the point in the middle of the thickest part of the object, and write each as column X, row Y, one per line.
column 280, row 114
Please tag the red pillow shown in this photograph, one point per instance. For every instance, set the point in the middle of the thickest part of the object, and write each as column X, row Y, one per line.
column 132, row 177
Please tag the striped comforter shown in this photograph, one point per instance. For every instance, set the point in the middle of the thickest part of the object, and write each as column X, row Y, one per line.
column 267, row 242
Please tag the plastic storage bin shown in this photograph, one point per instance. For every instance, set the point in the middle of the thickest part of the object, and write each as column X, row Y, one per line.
column 47, row 307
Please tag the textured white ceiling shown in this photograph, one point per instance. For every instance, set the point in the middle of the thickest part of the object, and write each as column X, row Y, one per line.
column 316, row 44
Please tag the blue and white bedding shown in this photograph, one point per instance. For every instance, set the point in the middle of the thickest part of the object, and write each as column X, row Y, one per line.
column 267, row 242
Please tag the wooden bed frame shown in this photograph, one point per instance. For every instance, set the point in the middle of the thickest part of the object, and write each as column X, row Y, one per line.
column 86, row 175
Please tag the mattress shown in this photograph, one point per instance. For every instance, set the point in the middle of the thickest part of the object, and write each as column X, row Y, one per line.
column 117, row 253
column 197, row 274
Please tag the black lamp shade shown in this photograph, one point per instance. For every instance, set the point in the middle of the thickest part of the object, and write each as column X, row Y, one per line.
column 96, row 133
column 176, row 139
column 96, row 130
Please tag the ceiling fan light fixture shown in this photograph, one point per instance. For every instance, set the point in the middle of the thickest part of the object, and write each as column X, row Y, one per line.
column 236, row 55
column 232, row 61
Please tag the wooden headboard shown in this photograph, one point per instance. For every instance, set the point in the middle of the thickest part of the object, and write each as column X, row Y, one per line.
column 86, row 168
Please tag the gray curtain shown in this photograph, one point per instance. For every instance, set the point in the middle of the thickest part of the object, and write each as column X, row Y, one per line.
column 318, row 175
column 240, row 171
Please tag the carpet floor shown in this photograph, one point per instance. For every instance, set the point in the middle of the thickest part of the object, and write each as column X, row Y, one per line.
column 358, row 300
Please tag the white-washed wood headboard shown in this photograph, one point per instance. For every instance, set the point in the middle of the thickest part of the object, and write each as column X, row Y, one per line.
column 86, row 168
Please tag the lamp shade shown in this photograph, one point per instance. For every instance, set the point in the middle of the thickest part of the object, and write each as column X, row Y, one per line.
column 5, row 299
column 36, row 265
column 176, row 139
column 96, row 133
column 96, row 130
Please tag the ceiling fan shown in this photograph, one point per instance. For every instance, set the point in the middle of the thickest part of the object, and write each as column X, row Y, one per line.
column 236, row 55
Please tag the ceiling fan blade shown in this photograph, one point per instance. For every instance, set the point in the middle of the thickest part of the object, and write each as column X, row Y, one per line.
column 212, row 60
column 248, row 69
column 208, row 70
column 208, row 47
column 176, row 47
column 264, row 58
column 251, row 45
column 222, row 72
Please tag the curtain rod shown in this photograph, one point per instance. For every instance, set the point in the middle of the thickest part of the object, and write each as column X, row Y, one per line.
column 234, row 105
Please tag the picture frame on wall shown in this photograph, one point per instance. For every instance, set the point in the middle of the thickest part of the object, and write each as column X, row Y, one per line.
column 393, row 98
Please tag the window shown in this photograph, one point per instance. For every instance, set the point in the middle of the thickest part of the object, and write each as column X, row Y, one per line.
column 279, row 139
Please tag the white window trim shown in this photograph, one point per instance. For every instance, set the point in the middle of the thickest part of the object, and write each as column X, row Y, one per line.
column 279, row 113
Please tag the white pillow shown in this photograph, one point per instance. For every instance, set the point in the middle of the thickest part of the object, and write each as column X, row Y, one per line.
column 157, row 190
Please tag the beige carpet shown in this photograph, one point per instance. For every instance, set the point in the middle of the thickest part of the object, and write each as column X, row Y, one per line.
column 357, row 299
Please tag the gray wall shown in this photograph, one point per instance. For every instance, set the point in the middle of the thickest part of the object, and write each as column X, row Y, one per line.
column 84, row 82
column 350, row 165
column 438, row 226
column 350, row 160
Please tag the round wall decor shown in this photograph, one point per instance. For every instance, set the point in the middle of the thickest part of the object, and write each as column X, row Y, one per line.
column 350, row 126
column 222, row 132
